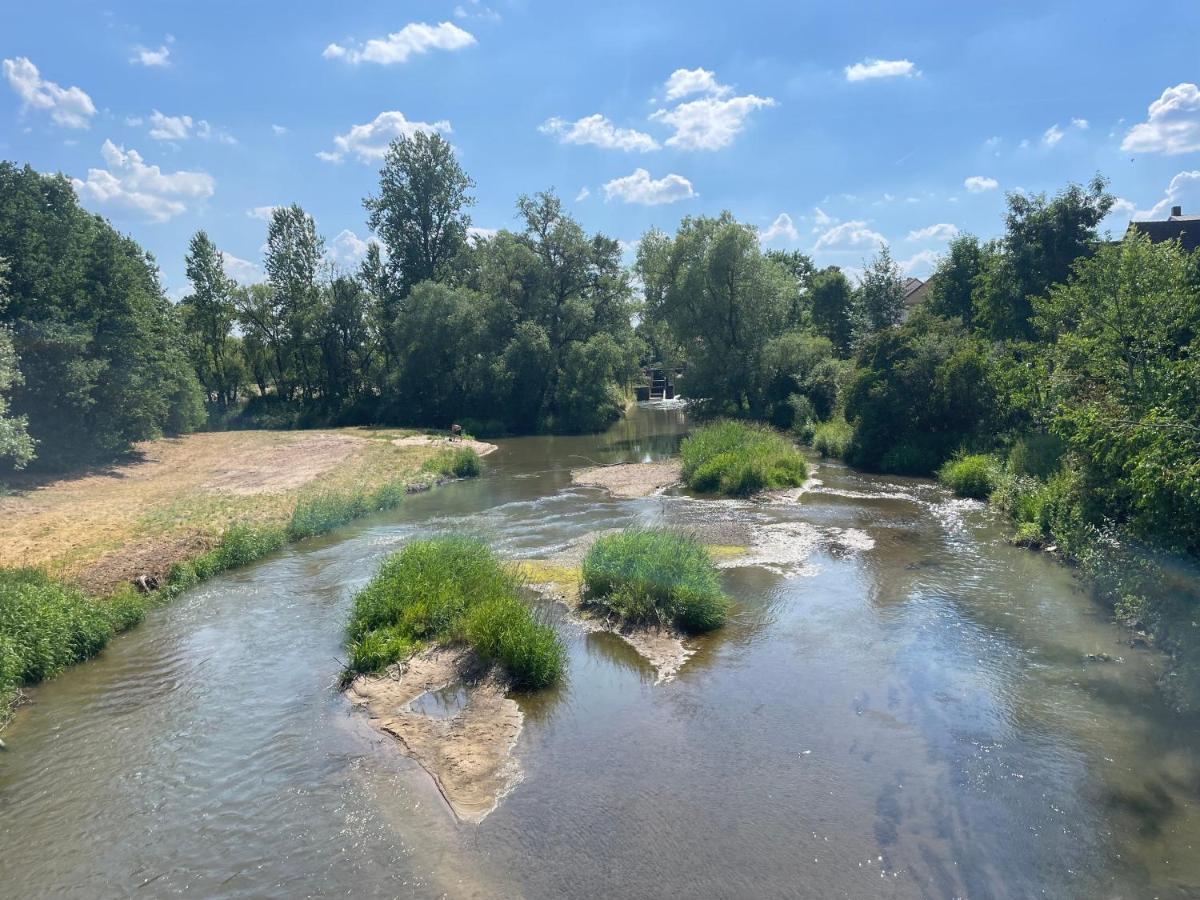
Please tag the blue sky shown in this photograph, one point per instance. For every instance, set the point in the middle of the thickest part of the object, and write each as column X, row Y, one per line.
column 830, row 127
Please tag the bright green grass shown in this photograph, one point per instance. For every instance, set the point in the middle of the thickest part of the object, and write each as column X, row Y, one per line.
column 832, row 438
column 970, row 475
column 654, row 576
column 457, row 462
column 447, row 590
column 46, row 625
column 739, row 458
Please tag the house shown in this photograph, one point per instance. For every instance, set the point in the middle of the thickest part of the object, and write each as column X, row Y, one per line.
column 915, row 292
column 1177, row 226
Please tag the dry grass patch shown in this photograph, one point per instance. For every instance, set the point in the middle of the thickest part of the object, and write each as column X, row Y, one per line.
column 178, row 496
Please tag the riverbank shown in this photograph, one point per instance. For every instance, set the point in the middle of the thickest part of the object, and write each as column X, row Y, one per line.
column 81, row 559
column 175, row 498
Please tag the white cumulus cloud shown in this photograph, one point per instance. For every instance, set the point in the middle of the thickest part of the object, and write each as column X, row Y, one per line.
column 849, row 234
column 241, row 270
column 1172, row 126
column 685, row 82
column 710, row 123
column 261, row 212
column 70, row 107
column 880, row 68
column 641, row 188
column 598, row 131
column 144, row 56
column 782, row 227
column 919, row 264
column 1184, row 190
column 346, row 250
column 182, row 128
column 369, row 142
column 130, row 183
column 977, row 184
column 942, row 231
column 411, row 40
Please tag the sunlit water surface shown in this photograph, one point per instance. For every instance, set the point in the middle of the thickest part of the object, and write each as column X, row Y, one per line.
column 902, row 706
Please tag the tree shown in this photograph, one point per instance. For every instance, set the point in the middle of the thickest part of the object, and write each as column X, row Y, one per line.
column 723, row 300
column 16, row 447
column 879, row 300
column 103, row 356
column 1124, row 380
column 294, row 260
column 953, row 283
column 830, row 300
column 419, row 211
column 1042, row 240
column 801, row 269
column 208, row 316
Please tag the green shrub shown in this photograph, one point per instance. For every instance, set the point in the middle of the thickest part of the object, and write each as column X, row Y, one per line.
column 654, row 576
column 738, row 459
column 1037, row 455
column 832, row 438
column 445, row 590
column 970, row 475
column 459, row 462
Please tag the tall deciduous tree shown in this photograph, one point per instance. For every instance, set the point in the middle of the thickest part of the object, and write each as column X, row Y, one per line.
column 16, row 447
column 208, row 315
column 879, row 300
column 831, row 304
column 952, row 284
column 419, row 213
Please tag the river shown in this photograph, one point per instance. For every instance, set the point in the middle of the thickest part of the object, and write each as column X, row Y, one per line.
column 902, row 706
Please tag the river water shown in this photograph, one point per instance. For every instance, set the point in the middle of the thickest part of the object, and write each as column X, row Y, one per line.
column 902, row 706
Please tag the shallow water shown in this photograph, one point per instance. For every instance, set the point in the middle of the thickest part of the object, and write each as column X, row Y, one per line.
column 902, row 706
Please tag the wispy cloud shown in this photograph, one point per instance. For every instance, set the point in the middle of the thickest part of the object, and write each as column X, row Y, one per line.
column 411, row 40
column 870, row 69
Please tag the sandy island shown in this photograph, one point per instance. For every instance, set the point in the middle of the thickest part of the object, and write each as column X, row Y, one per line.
column 469, row 754
column 430, row 440
column 629, row 481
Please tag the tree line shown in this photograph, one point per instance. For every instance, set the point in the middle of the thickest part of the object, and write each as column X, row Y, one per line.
column 520, row 331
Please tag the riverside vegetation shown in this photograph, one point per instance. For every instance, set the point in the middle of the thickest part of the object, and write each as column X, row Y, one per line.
column 740, row 458
column 654, row 577
column 1072, row 361
column 451, row 590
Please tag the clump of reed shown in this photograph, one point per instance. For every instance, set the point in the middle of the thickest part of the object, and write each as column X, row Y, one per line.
column 654, row 576
column 446, row 590
column 832, row 438
column 740, row 458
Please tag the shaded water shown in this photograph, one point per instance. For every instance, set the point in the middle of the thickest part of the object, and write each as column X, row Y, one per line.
column 902, row 706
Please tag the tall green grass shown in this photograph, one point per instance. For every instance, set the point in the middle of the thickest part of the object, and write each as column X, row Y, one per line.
column 46, row 625
column 739, row 458
column 972, row 475
column 832, row 438
column 457, row 462
column 446, row 590
column 654, row 576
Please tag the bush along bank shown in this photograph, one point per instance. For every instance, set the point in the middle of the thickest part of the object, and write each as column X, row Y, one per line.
column 654, row 577
column 450, row 590
column 47, row 624
column 740, row 458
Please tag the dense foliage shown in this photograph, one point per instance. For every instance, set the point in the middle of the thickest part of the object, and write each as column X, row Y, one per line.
column 101, row 352
column 520, row 331
column 447, row 590
column 740, row 458
column 654, row 576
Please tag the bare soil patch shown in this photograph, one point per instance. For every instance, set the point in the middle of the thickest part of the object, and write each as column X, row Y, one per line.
column 629, row 481
column 469, row 755
column 283, row 467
